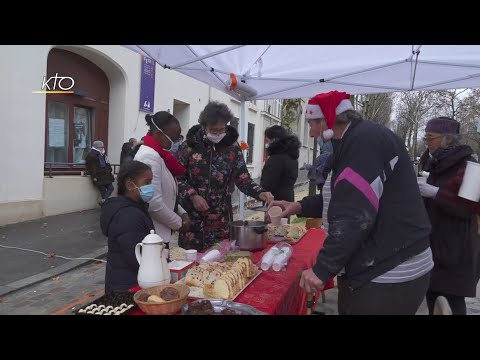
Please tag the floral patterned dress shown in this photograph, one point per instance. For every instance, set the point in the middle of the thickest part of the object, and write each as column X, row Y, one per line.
column 213, row 170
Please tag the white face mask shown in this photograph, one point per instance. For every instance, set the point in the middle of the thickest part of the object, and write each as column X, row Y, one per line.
column 216, row 138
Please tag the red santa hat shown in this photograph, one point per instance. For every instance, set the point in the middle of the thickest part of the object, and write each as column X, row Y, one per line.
column 327, row 106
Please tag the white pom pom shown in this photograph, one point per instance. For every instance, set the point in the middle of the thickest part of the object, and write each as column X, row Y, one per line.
column 327, row 134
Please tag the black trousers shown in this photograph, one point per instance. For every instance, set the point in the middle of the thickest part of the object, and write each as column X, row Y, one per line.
column 105, row 190
column 382, row 299
column 457, row 303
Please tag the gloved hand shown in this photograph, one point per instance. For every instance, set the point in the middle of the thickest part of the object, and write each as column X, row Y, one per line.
column 427, row 190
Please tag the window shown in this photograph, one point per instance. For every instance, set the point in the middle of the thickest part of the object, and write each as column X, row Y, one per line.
column 250, row 141
column 57, row 132
column 82, row 137
column 273, row 107
column 63, row 145
column 278, row 108
column 306, row 133
column 74, row 121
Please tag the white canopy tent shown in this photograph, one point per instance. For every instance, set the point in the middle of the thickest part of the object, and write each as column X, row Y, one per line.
column 301, row 71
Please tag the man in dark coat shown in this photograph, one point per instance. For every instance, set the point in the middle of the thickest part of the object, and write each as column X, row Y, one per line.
column 100, row 171
column 454, row 239
column 127, row 150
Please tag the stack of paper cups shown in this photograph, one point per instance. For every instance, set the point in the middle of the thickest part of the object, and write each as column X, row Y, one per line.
column 267, row 259
column 470, row 188
column 281, row 260
column 213, row 255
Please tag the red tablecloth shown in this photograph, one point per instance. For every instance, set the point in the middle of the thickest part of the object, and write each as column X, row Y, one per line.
column 279, row 293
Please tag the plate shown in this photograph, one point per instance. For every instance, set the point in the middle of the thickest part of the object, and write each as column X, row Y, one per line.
column 219, row 305
column 277, row 239
column 197, row 292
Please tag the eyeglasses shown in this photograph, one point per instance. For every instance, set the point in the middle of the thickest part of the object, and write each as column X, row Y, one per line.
column 216, row 131
column 430, row 138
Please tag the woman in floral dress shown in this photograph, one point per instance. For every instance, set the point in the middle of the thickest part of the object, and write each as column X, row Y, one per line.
column 214, row 165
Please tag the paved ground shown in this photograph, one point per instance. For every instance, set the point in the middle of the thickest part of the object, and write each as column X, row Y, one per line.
column 61, row 295
column 74, row 235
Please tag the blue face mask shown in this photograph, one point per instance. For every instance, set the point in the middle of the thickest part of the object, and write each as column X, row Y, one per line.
column 175, row 146
column 146, row 192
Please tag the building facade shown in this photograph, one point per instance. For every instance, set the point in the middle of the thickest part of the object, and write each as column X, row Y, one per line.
column 46, row 136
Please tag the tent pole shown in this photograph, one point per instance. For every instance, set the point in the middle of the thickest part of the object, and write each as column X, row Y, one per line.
column 312, row 185
column 243, row 126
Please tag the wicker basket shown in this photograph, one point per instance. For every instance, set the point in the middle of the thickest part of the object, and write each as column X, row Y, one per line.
column 166, row 308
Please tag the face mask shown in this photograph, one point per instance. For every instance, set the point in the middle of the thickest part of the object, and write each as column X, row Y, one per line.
column 146, row 192
column 175, row 146
column 216, row 138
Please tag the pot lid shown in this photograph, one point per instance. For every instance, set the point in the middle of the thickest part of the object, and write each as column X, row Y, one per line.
column 152, row 238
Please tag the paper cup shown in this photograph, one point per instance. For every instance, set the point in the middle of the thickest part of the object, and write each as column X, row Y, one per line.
column 275, row 211
column 211, row 256
column 421, row 180
column 470, row 188
column 191, row 255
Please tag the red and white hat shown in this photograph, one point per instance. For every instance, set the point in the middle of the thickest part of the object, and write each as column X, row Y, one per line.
column 327, row 106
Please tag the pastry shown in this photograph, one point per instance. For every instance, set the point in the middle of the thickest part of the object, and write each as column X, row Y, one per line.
column 153, row 298
column 169, row 294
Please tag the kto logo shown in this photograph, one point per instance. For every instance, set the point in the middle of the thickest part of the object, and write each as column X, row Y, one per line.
column 57, row 85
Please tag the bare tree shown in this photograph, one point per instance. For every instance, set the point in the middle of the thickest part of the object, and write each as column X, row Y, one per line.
column 291, row 112
column 412, row 111
column 375, row 107
column 468, row 114
column 448, row 102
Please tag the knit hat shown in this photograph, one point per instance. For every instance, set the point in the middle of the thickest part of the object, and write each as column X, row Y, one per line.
column 443, row 125
column 327, row 106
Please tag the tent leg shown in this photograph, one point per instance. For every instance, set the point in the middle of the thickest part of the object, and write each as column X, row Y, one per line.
column 243, row 126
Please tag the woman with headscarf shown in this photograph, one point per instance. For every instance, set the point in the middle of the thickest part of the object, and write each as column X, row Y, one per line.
column 455, row 239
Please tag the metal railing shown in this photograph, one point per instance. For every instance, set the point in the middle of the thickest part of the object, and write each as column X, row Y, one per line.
column 53, row 167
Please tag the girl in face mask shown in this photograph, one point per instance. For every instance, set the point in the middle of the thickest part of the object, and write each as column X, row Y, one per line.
column 214, row 165
column 125, row 221
column 156, row 151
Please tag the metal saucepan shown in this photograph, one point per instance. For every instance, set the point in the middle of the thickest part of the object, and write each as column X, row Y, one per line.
column 249, row 235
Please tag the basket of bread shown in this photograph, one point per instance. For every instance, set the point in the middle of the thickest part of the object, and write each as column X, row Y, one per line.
column 163, row 299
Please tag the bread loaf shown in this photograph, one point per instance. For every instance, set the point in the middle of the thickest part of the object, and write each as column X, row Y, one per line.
column 221, row 280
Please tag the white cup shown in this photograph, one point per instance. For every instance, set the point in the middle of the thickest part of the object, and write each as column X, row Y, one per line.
column 276, row 220
column 191, row 255
column 470, row 188
column 284, row 221
column 212, row 255
column 421, row 180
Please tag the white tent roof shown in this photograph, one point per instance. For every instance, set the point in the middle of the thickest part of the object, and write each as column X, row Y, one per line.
column 300, row 71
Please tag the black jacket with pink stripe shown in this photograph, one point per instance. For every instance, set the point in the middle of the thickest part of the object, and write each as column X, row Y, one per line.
column 376, row 215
